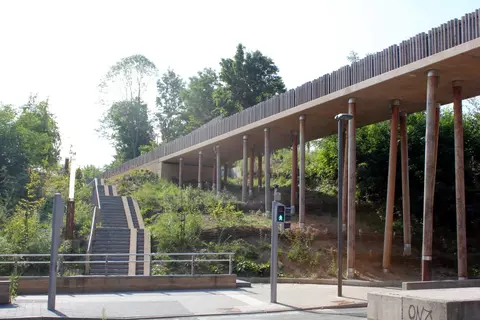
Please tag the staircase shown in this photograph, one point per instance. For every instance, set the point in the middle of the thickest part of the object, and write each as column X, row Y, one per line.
column 121, row 231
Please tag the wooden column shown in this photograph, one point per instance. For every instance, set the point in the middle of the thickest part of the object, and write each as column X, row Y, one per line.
column 392, row 170
column 251, row 173
column 245, row 169
column 352, row 182
column 407, row 233
column 293, row 192
column 259, row 172
column 460, row 182
column 301, row 200
column 200, row 164
column 268, row 197
column 345, row 181
column 219, row 170
column 429, row 183
column 180, row 172
column 214, row 175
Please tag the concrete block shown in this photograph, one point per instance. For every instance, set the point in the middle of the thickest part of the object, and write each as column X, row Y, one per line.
column 5, row 292
column 384, row 307
column 443, row 284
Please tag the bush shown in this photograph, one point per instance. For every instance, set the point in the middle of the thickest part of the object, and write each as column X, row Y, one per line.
column 300, row 249
column 168, row 235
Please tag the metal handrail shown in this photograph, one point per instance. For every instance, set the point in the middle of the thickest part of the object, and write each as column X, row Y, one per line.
column 98, row 196
column 106, row 261
column 90, row 239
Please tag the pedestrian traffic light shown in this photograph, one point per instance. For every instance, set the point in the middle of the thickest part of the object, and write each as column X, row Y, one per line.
column 280, row 213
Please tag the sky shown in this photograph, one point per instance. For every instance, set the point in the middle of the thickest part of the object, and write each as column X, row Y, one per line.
column 61, row 49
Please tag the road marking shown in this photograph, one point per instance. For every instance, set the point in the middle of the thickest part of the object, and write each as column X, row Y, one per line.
column 244, row 298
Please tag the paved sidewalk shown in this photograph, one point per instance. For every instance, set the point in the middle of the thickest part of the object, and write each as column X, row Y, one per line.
column 164, row 304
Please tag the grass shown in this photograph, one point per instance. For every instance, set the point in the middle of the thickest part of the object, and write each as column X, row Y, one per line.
column 249, row 220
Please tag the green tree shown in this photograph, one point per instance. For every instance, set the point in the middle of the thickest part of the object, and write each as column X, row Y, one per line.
column 204, row 99
column 250, row 77
column 170, row 108
column 130, row 77
column 353, row 56
column 127, row 126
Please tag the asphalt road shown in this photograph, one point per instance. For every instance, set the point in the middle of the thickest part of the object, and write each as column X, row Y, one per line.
column 337, row 314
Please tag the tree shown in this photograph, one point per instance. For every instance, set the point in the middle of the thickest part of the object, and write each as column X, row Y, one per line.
column 250, row 77
column 131, row 75
column 127, row 125
column 170, row 108
column 205, row 98
column 39, row 134
column 353, row 56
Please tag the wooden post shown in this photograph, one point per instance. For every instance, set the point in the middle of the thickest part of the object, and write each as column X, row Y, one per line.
column 429, row 183
column 268, row 198
column 259, row 172
column 180, row 172
column 392, row 170
column 293, row 192
column 345, row 182
column 214, row 175
column 407, row 233
column 251, row 173
column 219, row 170
column 301, row 206
column 460, row 182
column 199, row 178
column 352, row 182
column 245, row 169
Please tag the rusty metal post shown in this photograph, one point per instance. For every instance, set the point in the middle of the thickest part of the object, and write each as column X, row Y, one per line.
column 429, row 183
column 301, row 200
column 345, row 181
column 293, row 197
column 180, row 172
column 460, row 182
column 199, row 178
column 352, row 182
column 268, row 197
column 392, row 170
column 251, row 172
column 259, row 172
column 245, row 168
column 407, row 233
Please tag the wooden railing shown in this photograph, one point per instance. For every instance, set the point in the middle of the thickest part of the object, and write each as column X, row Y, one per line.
column 444, row 37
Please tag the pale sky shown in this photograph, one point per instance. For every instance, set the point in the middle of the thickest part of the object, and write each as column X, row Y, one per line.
column 61, row 49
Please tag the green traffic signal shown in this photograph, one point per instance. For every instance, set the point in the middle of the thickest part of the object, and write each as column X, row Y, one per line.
column 280, row 213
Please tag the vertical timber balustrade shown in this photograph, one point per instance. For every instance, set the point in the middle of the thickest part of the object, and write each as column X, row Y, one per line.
column 392, row 170
column 352, row 182
column 429, row 183
column 345, row 182
column 301, row 200
column 407, row 233
column 245, row 168
column 267, row 171
column 219, row 170
column 460, row 182
column 180, row 172
column 251, row 173
column 200, row 170
column 293, row 197
column 259, row 172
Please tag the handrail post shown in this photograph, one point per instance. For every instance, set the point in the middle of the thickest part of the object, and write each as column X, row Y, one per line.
column 193, row 264
column 106, row 264
column 230, row 264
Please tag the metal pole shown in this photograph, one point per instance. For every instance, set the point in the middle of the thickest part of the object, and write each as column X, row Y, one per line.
column 180, row 172
column 57, row 219
column 245, row 169
column 199, row 170
column 273, row 258
column 267, row 169
column 219, row 171
column 352, row 176
column 293, row 193
column 301, row 200
column 339, row 208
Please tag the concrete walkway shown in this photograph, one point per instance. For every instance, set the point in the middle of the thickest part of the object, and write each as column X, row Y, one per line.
column 165, row 304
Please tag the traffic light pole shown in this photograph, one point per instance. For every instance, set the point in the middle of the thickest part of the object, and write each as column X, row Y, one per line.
column 273, row 257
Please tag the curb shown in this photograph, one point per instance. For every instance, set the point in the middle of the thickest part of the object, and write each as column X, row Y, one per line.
column 353, row 283
column 279, row 310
